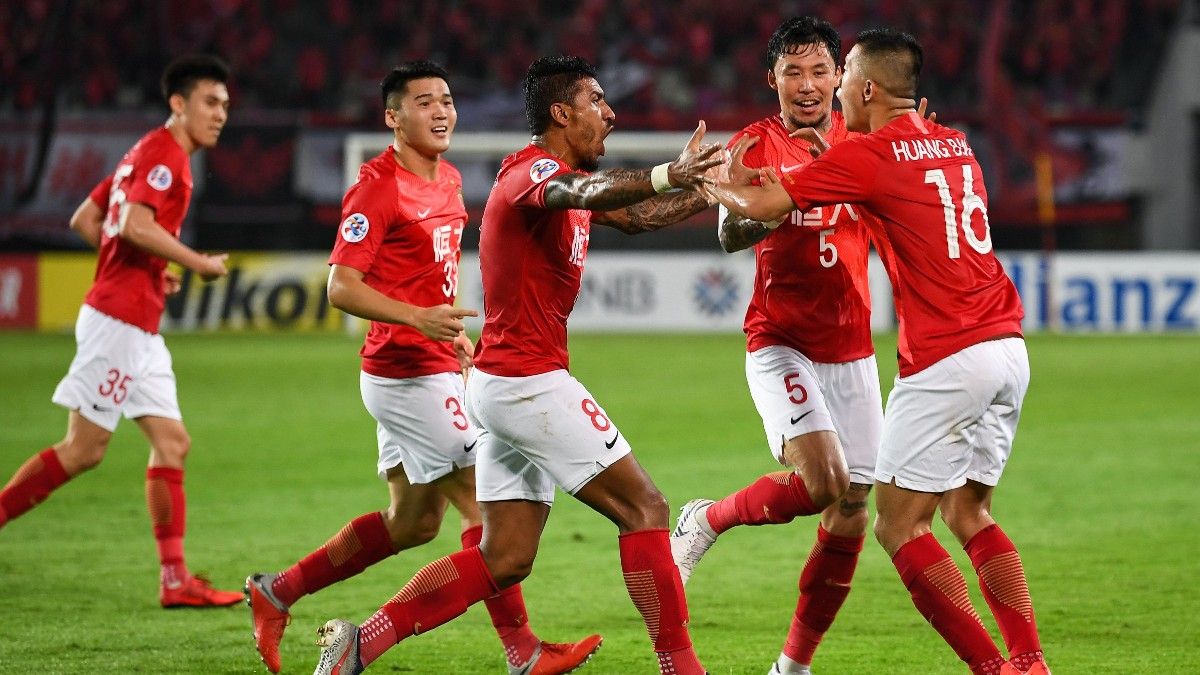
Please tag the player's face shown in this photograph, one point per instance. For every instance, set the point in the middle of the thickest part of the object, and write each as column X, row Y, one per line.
column 805, row 81
column 591, row 121
column 204, row 112
column 426, row 116
column 850, row 94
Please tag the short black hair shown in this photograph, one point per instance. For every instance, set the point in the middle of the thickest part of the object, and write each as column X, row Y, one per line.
column 798, row 32
column 182, row 74
column 899, row 56
column 550, row 80
column 396, row 81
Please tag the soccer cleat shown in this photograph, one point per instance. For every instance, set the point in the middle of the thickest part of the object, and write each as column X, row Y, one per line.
column 1038, row 668
column 269, row 617
column 690, row 540
column 553, row 658
column 197, row 591
column 776, row 669
column 338, row 640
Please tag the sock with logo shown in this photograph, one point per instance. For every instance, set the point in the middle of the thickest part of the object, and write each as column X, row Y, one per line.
column 167, row 505
column 775, row 498
column 1002, row 580
column 824, row 585
column 509, row 617
column 656, row 590
column 31, row 484
column 363, row 542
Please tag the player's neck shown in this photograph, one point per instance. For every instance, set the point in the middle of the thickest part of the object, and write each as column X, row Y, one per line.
column 790, row 125
column 423, row 166
column 556, row 146
column 175, row 127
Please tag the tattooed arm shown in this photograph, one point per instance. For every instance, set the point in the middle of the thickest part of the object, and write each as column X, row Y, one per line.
column 654, row 213
column 736, row 233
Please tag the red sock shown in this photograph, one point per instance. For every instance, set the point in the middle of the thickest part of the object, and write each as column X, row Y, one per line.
column 1002, row 580
column 507, row 609
column 363, row 542
column 31, row 484
column 654, row 586
column 775, row 498
column 439, row 592
column 824, row 585
column 940, row 593
column 168, row 514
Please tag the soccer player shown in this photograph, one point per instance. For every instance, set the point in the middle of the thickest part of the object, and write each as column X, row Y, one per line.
column 540, row 426
column 395, row 262
column 810, row 363
column 952, row 413
column 121, row 364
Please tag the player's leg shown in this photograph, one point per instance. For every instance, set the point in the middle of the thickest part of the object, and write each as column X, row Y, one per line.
column 81, row 449
column 507, row 609
column 967, row 512
column 94, row 391
column 786, row 390
column 852, row 394
column 166, row 502
column 922, row 456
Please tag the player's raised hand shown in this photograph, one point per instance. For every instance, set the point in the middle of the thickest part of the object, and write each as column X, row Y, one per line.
column 922, row 107
column 688, row 170
column 817, row 145
column 441, row 322
column 171, row 282
column 212, row 266
column 736, row 171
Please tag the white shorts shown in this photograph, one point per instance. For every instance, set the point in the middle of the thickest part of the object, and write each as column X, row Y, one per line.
column 956, row 419
column 421, row 423
column 118, row 369
column 796, row 396
column 539, row 431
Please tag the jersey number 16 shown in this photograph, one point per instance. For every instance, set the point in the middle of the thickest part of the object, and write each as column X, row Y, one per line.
column 970, row 202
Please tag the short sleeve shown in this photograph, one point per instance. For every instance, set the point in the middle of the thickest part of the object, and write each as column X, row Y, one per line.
column 525, row 185
column 99, row 194
column 157, row 171
column 367, row 211
column 844, row 174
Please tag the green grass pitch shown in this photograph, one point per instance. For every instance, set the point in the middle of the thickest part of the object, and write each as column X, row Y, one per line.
column 1100, row 497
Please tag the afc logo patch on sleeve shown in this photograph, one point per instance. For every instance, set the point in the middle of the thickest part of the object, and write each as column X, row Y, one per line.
column 355, row 227
column 160, row 177
column 542, row 169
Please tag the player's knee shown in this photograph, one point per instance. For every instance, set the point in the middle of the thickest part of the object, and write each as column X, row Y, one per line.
column 650, row 511
column 412, row 532
column 963, row 520
column 78, row 455
column 508, row 566
column 827, row 484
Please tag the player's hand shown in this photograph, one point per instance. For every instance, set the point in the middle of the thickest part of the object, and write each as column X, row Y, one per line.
column 736, row 171
column 922, row 106
column 171, row 282
column 441, row 322
column 688, row 170
column 464, row 349
column 768, row 176
column 212, row 266
column 817, row 145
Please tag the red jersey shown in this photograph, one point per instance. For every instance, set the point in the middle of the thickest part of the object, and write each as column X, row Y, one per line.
column 129, row 281
column 531, row 259
column 922, row 182
column 405, row 235
column 810, row 281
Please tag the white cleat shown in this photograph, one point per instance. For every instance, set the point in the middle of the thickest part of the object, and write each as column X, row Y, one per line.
column 691, row 538
column 338, row 640
column 786, row 666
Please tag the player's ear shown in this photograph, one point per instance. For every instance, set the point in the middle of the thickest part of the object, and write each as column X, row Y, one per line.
column 869, row 91
column 559, row 114
column 772, row 81
column 391, row 117
column 177, row 103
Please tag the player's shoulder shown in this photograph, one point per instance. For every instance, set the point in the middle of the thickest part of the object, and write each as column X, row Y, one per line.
column 530, row 164
column 159, row 145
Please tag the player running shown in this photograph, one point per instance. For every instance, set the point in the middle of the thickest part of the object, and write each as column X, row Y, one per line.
column 810, row 363
column 953, row 411
column 395, row 262
column 121, row 364
column 540, row 426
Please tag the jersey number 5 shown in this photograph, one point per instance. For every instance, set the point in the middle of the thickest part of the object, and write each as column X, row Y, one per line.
column 971, row 203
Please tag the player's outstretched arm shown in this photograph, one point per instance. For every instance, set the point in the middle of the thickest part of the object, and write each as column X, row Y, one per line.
column 349, row 293
column 766, row 203
column 654, row 213
column 738, row 232
column 138, row 227
column 87, row 221
column 612, row 189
